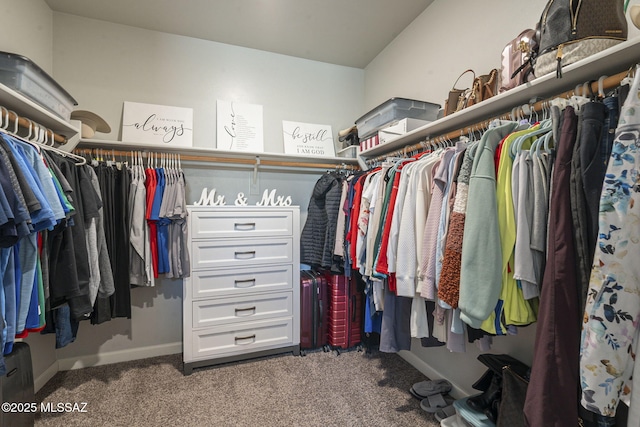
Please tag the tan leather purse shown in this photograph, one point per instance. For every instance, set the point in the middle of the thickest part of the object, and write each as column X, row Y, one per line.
column 484, row 87
column 457, row 99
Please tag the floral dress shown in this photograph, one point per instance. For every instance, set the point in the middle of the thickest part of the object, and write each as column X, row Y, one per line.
column 612, row 312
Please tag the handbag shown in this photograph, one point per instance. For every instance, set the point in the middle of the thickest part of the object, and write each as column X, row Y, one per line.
column 514, row 393
column 484, row 87
column 570, row 30
column 495, row 364
column 457, row 98
column 516, row 67
column 490, row 402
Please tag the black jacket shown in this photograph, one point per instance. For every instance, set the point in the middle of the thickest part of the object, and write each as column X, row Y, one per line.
column 319, row 233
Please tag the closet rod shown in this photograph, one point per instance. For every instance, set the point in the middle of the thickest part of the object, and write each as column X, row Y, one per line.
column 215, row 159
column 608, row 83
column 26, row 123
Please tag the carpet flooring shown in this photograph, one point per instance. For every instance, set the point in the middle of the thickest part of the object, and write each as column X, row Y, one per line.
column 320, row 389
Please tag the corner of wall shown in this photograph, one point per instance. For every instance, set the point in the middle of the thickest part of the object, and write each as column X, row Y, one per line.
column 45, row 376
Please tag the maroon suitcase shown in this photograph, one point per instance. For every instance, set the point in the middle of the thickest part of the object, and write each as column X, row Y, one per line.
column 345, row 313
column 313, row 311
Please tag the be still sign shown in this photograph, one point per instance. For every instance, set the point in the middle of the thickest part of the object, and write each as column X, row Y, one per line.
column 157, row 124
column 306, row 139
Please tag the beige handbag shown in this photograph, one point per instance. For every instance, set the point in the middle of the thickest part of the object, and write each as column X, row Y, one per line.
column 457, row 99
column 484, row 87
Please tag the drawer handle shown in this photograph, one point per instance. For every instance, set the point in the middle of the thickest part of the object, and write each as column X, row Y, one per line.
column 239, row 310
column 251, row 225
column 251, row 282
column 252, row 253
column 250, row 337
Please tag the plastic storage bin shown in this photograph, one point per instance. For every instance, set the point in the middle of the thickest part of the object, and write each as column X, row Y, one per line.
column 393, row 110
column 451, row 421
column 20, row 74
column 469, row 417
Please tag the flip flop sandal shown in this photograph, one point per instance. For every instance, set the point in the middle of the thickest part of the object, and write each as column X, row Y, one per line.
column 435, row 403
column 425, row 389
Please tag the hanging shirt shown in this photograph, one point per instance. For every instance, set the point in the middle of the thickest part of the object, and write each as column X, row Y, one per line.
column 449, row 284
column 610, row 331
column 516, row 310
column 150, row 184
column 44, row 217
column 382, row 265
column 480, row 276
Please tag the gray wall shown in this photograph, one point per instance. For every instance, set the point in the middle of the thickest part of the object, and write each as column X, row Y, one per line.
column 27, row 29
column 103, row 64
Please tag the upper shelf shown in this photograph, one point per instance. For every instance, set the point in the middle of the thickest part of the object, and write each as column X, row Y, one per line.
column 222, row 156
column 607, row 62
column 28, row 109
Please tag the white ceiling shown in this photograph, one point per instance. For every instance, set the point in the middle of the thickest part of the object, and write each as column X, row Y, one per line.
column 344, row 32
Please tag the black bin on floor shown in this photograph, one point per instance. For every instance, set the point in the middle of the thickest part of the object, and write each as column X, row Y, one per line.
column 16, row 386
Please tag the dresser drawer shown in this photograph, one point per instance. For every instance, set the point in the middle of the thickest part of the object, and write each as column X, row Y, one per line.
column 242, row 309
column 242, row 338
column 214, row 283
column 232, row 253
column 239, row 223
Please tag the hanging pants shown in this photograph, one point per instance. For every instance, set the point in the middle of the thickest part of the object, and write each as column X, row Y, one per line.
column 552, row 395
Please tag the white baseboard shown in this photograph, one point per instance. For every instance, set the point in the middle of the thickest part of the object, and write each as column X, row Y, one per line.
column 431, row 373
column 44, row 377
column 119, row 356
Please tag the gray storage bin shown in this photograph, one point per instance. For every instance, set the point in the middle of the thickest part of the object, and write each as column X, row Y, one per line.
column 393, row 110
column 22, row 75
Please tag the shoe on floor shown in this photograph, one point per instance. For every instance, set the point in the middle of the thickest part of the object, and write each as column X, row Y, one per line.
column 435, row 403
column 424, row 389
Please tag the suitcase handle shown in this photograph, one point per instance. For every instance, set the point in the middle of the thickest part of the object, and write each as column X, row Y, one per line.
column 321, row 311
column 353, row 308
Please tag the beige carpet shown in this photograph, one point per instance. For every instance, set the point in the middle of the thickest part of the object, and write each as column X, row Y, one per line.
column 320, row 389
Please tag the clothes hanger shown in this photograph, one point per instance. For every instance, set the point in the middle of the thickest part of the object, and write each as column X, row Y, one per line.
column 601, row 93
column 517, row 145
column 45, row 136
column 4, row 119
column 80, row 161
column 628, row 79
column 41, row 136
column 38, row 145
column 549, row 143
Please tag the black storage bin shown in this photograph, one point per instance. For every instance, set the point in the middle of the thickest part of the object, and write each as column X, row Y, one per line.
column 16, row 386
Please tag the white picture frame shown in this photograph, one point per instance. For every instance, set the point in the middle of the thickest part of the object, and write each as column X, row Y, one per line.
column 239, row 127
column 308, row 139
column 157, row 124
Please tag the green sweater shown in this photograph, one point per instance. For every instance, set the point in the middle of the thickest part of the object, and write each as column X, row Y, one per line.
column 481, row 271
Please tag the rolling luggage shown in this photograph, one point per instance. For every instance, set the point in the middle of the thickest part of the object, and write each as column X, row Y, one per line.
column 345, row 313
column 16, row 387
column 313, row 311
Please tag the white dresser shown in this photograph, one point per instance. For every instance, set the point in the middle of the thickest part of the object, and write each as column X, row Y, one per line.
column 243, row 297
